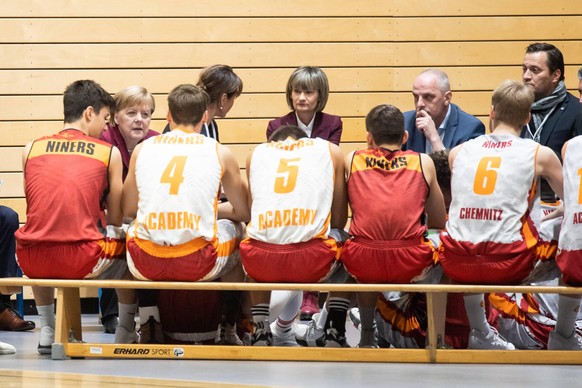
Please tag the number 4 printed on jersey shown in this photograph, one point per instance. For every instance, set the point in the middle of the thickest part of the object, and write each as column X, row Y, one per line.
column 174, row 173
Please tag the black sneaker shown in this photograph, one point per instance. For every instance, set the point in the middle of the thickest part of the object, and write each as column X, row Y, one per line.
column 262, row 336
column 110, row 324
column 151, row 332
column 333, row 339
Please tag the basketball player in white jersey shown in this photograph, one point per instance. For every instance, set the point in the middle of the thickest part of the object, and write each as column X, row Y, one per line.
column 298, row 194
column 181, row 232
column 490, row 237
column 569, row 257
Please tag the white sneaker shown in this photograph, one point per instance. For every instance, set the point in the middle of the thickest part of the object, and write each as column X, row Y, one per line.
column 558, row 342
column 7, row 348
column 354, row 315
column 124, row 336
column 286, row 338
column 493, row 340
column 309, row 334
column 47, row 337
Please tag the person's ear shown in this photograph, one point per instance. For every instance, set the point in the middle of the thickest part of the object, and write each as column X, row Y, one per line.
column 448, row 96
column 205, row 117
column 89, row 113
column 169, row 117
column 405, row 137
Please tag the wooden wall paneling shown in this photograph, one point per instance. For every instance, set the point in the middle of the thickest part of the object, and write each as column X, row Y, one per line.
column 149, row 30
column 187, row 55
column 186, row 8
column 269, row 80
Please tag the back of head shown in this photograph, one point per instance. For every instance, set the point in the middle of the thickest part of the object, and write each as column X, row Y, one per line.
column 386, row 124
column 132, row 96
column 555, row 59
column 217, row 80
column 286, row 131
column 308, row 78
column 511, row 103
column 187, row 104
column 82, row 94
column 580, row 73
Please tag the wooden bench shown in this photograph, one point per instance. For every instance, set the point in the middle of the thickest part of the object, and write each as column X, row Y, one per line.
column 68, row 330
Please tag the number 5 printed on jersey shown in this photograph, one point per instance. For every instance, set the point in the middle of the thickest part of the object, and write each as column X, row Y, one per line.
column 286, row 175
column 486, row 175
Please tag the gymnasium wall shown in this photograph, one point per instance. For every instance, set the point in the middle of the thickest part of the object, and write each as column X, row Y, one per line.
column 371, row 51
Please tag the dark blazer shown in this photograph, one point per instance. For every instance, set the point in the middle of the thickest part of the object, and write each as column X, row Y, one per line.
column 327, row 127
column 461, row 127
column 564, row 124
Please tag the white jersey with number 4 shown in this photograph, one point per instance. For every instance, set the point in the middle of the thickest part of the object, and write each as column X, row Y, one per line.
column 571, row 232
column 292, row 185
column 178, row 178
column 493, row 187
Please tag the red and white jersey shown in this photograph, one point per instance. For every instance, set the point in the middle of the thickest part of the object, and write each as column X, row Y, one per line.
column 291, row 184
column 66, row 183
column 178, row 177
column 493, row 188
column 571, row 232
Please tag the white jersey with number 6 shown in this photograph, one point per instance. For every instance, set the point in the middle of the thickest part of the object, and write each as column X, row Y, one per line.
column 571, row 233
column 493, row 181
column 292, row 185
column 178, row 178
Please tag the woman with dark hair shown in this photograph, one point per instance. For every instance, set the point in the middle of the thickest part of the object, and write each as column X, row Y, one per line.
column 223, row 86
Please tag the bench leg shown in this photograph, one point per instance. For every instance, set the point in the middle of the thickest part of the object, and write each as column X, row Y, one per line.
column 436, row 303
column 68, row 321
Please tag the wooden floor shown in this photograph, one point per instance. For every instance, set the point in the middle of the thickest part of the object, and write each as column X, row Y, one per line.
column 28, row 369
column 11, row 378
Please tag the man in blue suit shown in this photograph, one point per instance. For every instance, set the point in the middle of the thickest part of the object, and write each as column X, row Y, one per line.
column 436, row 123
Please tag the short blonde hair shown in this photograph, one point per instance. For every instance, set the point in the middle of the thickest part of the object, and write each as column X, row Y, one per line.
column 308, row 78
column 133, row 95
column 511, row 102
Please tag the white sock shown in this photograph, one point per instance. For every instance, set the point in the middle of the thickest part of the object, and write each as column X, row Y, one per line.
column 475, row 307
column 568, row 307
column 291, row 308
column 146, row 312
column 47, row 315
column 127, row 315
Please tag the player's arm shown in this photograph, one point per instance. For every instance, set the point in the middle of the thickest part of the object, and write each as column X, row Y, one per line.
column 235, row 189
column 113, row 200
column 435, row 203
column 339, row 204
column 549, row 167
column 248, row 172
column 130, row 193
column 25, row 153
column 348, row 163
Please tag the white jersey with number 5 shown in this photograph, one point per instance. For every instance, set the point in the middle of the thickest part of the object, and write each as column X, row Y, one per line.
column 178, row 178
column 292, row 185
column 493, row 188
column 571, row 233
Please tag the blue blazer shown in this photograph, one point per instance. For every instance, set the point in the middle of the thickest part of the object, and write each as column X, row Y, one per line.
column 461, row 127
column 326, row 127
